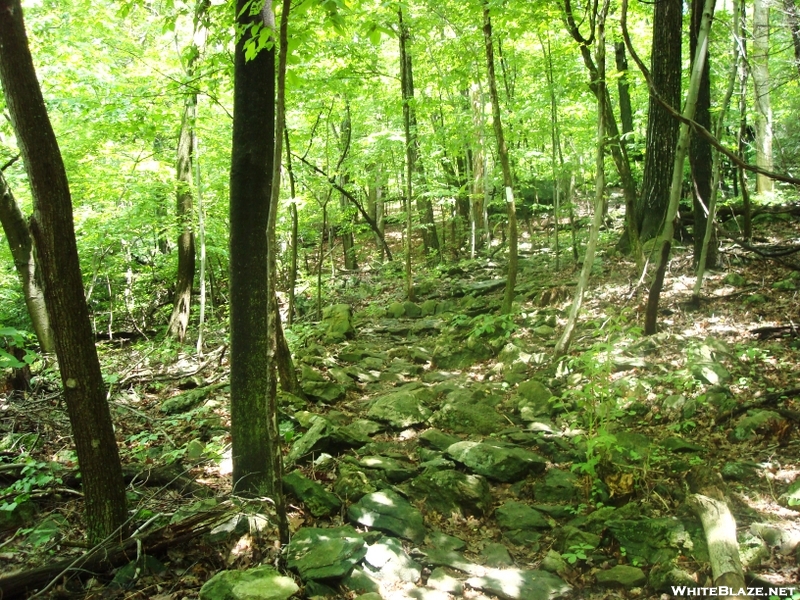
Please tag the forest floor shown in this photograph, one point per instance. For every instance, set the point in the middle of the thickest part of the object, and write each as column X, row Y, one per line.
column 625, row 423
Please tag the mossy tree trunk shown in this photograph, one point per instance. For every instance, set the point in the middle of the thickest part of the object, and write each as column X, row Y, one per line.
column 54, row 235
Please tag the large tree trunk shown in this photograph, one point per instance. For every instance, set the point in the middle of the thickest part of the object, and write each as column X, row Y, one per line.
column 665, row 241
column 54, row 234
column 793, row 21
column 759, row 60
column 478, row 227
column 251, row 177
column 502, row 151
column 700, row 158
column 20, row 243
column 662, row 128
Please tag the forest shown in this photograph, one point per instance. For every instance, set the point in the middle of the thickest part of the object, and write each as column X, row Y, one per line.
column 399, row 299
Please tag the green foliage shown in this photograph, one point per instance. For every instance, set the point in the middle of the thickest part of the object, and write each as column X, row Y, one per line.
column 34, row 476
column 14, row 338
column 577, row 552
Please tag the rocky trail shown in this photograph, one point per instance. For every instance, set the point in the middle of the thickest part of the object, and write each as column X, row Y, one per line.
column 441, row 453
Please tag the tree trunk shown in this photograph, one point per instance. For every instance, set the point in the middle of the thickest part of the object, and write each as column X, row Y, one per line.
column 700, row 159
column 793, row 22
column 430, row 239
column 293, row 242
column 742, row 135
column 184, row 210
column 348, row 244
column 410, row 153
column 477, row 229
column 502, row 151
column 562, row 346
column 250, row 183
column 623, row 89
column 665, row 241
column 662, row 128
column 20, row 243
column 179, row 320
column 759, row 60
column 54, row 235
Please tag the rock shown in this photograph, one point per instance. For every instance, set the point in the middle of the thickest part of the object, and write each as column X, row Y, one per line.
column 517, row 515
column 557, row 486
column 325, row 553
column 388, row 511
column 450, row 491
column 496, row 555
column 518, row 584
column 544, row 331
column 314, row 589
column 403, row 408
column 437, row 439
column 392, row 470
column 479, row 288
column 428, row 308
column 360, row 580
column 370, row 596
column 500, row 462
column 738, row 471
column 440, row 580
column 236, row 526
column 317, row 499
column 395, row 310
column 468, row 415
column 322, row 436
column 554, row 563
column 533, row 400
column 352, row 483
column 650, row 541
column 324, row 391
column 421, row 593
column 189, row 399
column 734, row 279
column 391, row 562
column 450, row 354
column 664, row 575
column 786, row 285
column 260, row 583
column 437, row 557
column 710, row 373
column 412, row 310
column 622, row 576
column 445, row 542
column 569, row 537
column 337, row 321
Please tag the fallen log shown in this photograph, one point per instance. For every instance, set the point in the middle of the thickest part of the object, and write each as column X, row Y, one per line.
column 105, row 557
column 709, row 504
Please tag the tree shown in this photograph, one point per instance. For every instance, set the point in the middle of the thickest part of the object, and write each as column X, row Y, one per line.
column 761, row 83
column 250, row 188
column 700, row 159
column 54, row 235
column 20, row 243
column 502, row 151
column 662, row 128
column 179, row 320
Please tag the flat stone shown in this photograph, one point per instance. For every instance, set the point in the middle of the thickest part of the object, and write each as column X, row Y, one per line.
column 361, row 580
column 317, row 553
column 518, row 584
column 448, row 491
column 260, row 583
column 517, row 515
column 411, row 310
column 441, row 580
column 352, row 483
column 388, row 511
column 393, row 470
column 710, row 373
column 324, row 391
column 622, row 576
column 678, row 444
column 391, row 562
column 505, row 463
column 442, row 541
column 437, row 439
column 317, row 499
column 437, row 557
column 496, row 555
column 337, row 321
column 401, row 409
column 557, row 486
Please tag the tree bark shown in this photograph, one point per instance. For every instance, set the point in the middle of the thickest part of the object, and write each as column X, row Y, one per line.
column 54, row 235
column 700, row 158
column 502, row 151
column 250, row 184
column 184, row 210
column 665, row 241
column 623, row 89
column 793, row 21
column 20, row 243
column 562, row 346
column 662, row 129
column 759, row 60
